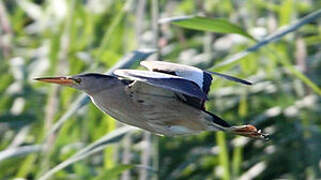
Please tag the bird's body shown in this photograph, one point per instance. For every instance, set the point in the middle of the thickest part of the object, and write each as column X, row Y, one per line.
column 160, row 111
column 169, row 101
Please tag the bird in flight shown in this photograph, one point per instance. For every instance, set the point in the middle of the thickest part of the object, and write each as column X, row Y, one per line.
column 166, row 100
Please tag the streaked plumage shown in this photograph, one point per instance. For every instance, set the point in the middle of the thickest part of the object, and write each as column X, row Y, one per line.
column 168, row 100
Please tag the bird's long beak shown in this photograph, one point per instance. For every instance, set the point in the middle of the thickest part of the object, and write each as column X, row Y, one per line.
column 249, row 131
column 62, row 80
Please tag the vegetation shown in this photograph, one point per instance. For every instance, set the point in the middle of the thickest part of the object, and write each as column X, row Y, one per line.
column 52, row 132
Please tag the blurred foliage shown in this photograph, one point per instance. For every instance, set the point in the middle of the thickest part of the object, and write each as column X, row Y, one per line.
column 208, row 24
column 60, row 37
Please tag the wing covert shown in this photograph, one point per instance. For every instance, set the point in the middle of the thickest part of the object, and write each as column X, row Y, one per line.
column 166, row 81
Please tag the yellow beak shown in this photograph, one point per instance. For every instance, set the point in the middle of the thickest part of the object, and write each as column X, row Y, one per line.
column 67, row 81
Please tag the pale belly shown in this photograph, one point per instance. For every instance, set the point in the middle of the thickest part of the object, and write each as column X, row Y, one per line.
column 157, row 114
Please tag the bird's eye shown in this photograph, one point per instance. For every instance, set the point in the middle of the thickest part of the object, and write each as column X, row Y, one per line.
column 77, row 80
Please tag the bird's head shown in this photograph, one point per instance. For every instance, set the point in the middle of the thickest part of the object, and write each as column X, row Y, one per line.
column 90, row 82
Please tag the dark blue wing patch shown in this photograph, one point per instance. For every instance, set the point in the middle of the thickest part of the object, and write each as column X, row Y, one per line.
column 165, row 81
column 207, row 81
column 192, row 101
column 166, row 72
column 179, row 85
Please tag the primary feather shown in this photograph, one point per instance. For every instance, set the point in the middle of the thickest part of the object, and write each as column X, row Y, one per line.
column 165, row 81
column 202, row 78
column 188, row 72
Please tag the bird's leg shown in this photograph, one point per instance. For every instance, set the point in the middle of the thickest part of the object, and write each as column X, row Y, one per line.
column 248, row 131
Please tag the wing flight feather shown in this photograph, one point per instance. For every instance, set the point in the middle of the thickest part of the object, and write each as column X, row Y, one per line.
column 166, row 81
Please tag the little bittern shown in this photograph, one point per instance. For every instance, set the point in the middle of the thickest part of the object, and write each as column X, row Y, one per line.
column 167, row 100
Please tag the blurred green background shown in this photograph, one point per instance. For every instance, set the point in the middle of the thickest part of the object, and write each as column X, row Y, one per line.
column 64, row 37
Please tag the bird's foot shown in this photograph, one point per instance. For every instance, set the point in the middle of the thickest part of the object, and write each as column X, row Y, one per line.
column 249, row 131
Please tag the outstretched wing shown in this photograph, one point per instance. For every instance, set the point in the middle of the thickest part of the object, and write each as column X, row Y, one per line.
column 201, row 77
column 188, row 72
column 165, row 81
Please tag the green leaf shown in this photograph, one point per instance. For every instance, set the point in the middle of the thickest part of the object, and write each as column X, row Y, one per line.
column 114, row 172
column 217, row 25
column 98, row 145
column 286, row 12
column 223, row 154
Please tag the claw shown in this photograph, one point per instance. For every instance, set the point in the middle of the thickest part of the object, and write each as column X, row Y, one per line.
column 249, row 131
